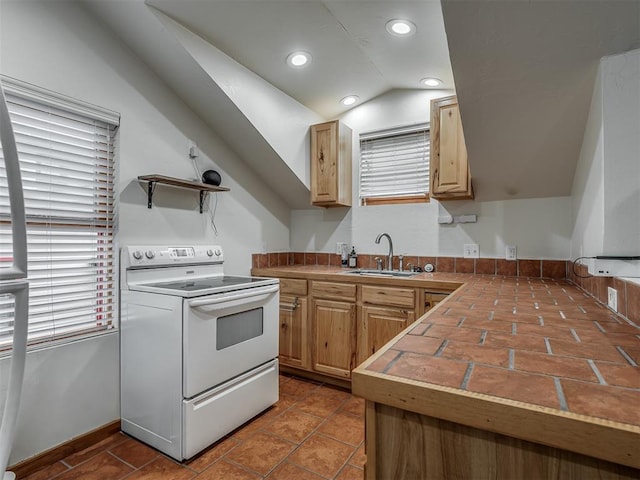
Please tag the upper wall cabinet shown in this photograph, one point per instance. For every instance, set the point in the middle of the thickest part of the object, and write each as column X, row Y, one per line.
column 450, row 177
column 331, row 164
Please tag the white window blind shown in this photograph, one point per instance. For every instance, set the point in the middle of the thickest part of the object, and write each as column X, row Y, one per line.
column 67, row 164
column 395, row 163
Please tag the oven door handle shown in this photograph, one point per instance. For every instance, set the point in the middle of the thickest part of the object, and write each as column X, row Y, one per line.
column 253, row 292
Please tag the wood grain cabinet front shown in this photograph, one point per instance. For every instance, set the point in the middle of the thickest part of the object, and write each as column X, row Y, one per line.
column 331, row 164
column 294, row 346
column 334, row 337
column 450, row 176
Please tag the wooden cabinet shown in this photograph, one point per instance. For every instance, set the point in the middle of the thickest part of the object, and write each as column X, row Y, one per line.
column 431, row 299
column 331, row 164
column 293, row 347
column 334, row 337
column 384, row 313
column 450, row 176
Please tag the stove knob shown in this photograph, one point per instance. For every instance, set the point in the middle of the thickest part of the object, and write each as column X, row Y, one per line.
column 210, row 253
column 150, row 254
column 137, row 254
column 218, row 252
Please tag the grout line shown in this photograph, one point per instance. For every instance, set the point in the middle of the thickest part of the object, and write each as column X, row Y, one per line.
column 575, row 335
column 514, row 328
column 562, row 315
column 392, row 362
column 512, row 359
column 541, row 320
column 595, row 322
column 491, row 314
column 548, row 345
column 582, row 309
column 442, row 346
column 593, row 366
column 467, row 374
column 561, row 397
column 483, row 336
column 461, row 321
column 627, row 357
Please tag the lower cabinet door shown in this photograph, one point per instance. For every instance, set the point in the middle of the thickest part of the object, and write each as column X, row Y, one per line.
column 293, row 346
column 334, row 337
column 379, row 325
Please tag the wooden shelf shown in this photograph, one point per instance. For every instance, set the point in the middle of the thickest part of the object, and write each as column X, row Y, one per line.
column 203, row 188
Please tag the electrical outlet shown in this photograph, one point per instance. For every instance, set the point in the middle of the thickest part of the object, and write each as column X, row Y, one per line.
column 340, row 247
column 471, row 250
column 612, row 299
column 511, row 253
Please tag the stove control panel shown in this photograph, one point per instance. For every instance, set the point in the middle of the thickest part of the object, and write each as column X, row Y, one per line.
column 161, row 255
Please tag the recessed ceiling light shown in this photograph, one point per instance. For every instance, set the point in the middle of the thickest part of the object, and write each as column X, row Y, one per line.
column 298, row 59
column 431, row 82
column 350, row 100
column 401, row 28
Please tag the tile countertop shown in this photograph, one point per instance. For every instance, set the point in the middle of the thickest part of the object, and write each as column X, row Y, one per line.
column 535, row 358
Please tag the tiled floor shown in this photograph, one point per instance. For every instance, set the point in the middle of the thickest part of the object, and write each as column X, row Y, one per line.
column 314, row 432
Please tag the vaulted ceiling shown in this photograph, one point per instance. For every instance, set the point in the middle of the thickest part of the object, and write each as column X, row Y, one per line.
column 524, row 71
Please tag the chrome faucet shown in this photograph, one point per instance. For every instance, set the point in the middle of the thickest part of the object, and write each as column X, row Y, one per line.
column 390, row 260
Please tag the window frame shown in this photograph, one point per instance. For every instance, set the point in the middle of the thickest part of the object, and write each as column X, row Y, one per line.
column 98, row 228
column 400, row 199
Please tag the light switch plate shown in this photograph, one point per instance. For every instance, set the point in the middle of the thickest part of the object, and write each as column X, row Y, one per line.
column 471, row 250
column 511, row 253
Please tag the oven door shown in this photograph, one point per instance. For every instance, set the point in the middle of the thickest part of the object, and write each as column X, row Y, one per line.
column 228, row 334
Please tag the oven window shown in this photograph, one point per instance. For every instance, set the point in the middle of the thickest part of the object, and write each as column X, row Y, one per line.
column 236, row 328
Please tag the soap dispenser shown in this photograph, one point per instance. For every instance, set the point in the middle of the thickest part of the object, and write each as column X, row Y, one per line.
column 353, row 258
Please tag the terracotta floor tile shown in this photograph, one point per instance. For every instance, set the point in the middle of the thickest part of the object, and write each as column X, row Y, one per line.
column 419, row 329
column 350, row 473
column 611, row 403
column 344, row 427
column 621, row 328
column 451, row 321
column 289, row 471
column 212, row 454
column 48, row 472
column 425, row 368
column 261, row 452
column 99, row 467
column 471, row 335
column 294, row 425
column 486, row 266
column 283, row 403
column 333, row 392
column 322, row 455
column 359, row 458
column 586, row 350
column 298, row 388
column 134, row 453
column 415, row 344
column 554, row 365
column 161, row 469
column 353, row 406
column 252, row 426
column 524, row 387
column 620, row 375
column 518, row 342
column 223, row 470
column 476, row 353
column 320, row 406
column 101, row 446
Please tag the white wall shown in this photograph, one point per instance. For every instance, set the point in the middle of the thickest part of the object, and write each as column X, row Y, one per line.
column 606, row 187
column 56, row 45
column 540, row 228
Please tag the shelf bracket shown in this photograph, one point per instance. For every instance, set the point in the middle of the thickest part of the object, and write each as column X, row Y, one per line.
column 149, row 193
column 203, row 196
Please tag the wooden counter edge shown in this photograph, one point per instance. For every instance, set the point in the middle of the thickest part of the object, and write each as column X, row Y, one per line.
column 599, row 438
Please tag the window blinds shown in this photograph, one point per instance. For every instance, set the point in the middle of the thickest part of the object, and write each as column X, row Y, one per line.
column 67, row 165
column 395, row 163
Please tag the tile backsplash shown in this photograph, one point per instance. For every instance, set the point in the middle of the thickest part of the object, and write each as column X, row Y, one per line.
column 628, row 292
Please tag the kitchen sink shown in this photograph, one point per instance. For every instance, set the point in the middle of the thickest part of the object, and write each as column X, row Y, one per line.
column 380, row 273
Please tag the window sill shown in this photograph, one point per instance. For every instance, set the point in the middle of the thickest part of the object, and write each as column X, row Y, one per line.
column 370, row 201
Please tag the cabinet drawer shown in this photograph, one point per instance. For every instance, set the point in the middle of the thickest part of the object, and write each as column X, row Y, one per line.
column 293, row 286
column 398, row 297
column 339, row 291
